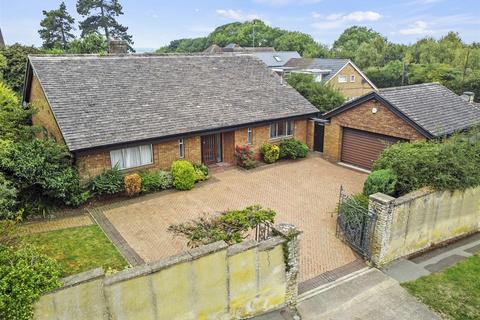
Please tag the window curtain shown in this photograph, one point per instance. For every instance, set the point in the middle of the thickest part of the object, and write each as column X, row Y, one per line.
column 132, row 157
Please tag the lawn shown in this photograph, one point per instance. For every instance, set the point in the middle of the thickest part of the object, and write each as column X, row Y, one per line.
column 79, row 249
column 454, row 293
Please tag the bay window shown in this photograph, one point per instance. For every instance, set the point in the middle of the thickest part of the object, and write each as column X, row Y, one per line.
column 132, row 157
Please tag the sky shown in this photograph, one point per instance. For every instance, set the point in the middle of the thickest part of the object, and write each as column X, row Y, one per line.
column 155, row 23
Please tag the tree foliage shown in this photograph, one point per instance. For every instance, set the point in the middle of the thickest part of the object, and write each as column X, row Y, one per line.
column 322, row 96
column 16, row 62
column 100, row 16
column 90, row 43
column 56, row 28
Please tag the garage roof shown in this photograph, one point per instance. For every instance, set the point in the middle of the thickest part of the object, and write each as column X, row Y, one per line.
column 431, row 108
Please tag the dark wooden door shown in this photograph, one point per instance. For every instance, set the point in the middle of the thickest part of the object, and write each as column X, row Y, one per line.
column 212, row 148
column 362, row 148
column 318, row 137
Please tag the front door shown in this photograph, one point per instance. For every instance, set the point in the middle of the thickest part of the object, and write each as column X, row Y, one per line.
column 212, row 148
column 318, row 137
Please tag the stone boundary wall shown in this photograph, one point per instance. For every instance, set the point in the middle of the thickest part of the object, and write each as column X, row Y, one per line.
column 215, row 281
column 421, row 219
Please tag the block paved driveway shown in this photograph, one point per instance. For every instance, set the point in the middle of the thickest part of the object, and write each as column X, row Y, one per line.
column 303, row 192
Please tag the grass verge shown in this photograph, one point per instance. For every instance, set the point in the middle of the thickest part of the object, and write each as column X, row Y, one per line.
column 453, row 293
column 79, row 249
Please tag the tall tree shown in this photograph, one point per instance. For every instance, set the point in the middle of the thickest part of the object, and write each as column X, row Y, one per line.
column 100, row 16
column 56, row 28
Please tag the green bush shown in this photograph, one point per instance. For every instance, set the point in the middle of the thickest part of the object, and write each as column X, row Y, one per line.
column 201, row 172
column 153, row 180
column 42, row 173
column 293, row 149
column 108, row 182
column 270, row 152
column 8, row 199
column 230, row 226
column 183, row 175
column 384, row 181
column 449, row 165
column 25, row 275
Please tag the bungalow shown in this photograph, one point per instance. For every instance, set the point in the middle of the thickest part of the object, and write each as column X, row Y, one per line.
column 357, row 132
column 145, row 111
column 342, row 74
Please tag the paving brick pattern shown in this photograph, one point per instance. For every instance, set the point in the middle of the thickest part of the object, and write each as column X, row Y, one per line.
column 303, row 192
column 57, row 224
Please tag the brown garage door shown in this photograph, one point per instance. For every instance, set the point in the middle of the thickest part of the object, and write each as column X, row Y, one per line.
column 362, row 148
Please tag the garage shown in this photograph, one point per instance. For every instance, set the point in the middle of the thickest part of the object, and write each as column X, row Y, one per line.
column 362, row 148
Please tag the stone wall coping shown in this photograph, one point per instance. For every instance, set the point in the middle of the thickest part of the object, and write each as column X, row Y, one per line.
column 82, row 277
column 413, row 195
column 152, row 267
column 271, row 243
column 241, row 247
column 381, row 198
column 287, row 230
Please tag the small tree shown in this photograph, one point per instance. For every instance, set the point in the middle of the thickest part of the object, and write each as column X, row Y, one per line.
column 231, row 226
column 56, row 28
column 322, row 96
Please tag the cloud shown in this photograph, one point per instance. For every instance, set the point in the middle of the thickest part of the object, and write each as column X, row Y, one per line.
column 237, row 15
column 278, row 3
column 338, row 20
column 418, row 28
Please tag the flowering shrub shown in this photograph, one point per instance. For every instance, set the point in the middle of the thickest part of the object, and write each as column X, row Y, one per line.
column 270, row 152
column 245, row 157
column 133, row 184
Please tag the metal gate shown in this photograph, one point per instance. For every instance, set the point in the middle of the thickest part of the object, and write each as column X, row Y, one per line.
column 355, row 223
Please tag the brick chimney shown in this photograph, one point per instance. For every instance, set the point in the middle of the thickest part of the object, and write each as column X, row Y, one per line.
column 117, row 46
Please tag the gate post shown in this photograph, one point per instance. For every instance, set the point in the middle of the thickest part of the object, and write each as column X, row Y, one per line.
column 291, row 251
column 382, row 206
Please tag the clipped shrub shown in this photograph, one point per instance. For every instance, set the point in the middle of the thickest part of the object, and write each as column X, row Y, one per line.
column 230, row 226
column 132, row 184
column 153, row 180
column 245, row 157
column 202, row 167
column 25, row 275
column 108, row 182
column 383, row 181
column 293, row 149
column 270, row 152
column 183, row 175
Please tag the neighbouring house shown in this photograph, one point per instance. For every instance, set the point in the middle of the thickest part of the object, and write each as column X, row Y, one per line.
column 145, row 111
column 342, row 74
column 357, row 132
column 276, row 60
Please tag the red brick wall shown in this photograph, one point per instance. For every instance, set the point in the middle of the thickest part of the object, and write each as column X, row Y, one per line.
column 361, row 117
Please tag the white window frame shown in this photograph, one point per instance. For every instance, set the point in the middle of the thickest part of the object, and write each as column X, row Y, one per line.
column 125, row 150
column 277, row 58
column 249, row 135
column 352, row 78
column 289, row 124
column 181, row 149
column 342, row 78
